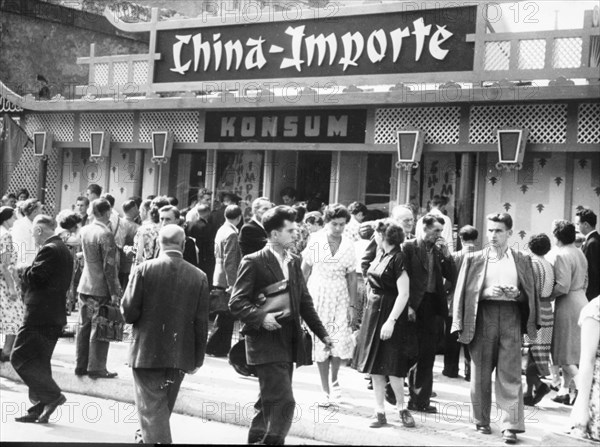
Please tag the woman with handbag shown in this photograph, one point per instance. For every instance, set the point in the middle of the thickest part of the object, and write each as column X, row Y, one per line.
column 386, row 338
column 329, row 263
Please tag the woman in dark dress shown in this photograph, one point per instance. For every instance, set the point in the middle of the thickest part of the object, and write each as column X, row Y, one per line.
column 386, row 338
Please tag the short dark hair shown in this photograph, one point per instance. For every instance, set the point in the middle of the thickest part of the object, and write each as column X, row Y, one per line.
column 169, row 209
column 468, row 233
column 438, row 200
column 6, row 212
column 232, row 212
column 173, row 200
column 564, row 231
column 336, row 211
column 587, row 215
column 10, row 195
column 300, row 212
column 391, row 232
column 95, row 189
column 430, row 220
column 501, row 218
column 83, row 199
column 274, row 218
column 29, row 206
column 110, row 198
column 146, row 204
column 539, row 244
column 288, row 191
column 128, row 205
column 356, row 207
column 137, row 200
column 366, row 230
column 100, row 206
column 314, row 217
column 156, row 205
column 69, row 219
column 23, row 191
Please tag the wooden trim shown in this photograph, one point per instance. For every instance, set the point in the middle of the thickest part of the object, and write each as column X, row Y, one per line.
column 568, row 204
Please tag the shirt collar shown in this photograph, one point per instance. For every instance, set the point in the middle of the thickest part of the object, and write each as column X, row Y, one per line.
column 96, row 222
column 259, row 223
column 508, row 254
column 232, row 226
column 286, row 254
column 172, row 253
column 587, row 236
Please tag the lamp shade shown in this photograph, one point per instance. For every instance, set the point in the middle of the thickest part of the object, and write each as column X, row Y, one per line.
column 162, row 144
column 410, row 145
column 511, row 145
column 99, row 143
column 42, row 143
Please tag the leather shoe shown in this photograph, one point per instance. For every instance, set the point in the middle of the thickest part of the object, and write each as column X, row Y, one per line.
column 50, row 408
column 407, row 419
column 33, row 414
column 81, row 372
column 422, row 408
column 484, row 429
column 562, row 399
column 528, row 400
column 102, row 375
column 380, row 421
column 509, row 437
column 540, row 393
column 451, row 375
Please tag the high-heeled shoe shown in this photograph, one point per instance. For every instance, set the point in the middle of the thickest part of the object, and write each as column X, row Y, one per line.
column 562, row 399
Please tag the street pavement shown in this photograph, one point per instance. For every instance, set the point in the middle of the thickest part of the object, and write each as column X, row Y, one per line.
column 216, row 393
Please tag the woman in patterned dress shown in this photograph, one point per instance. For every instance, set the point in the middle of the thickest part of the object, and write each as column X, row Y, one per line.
column 329, row 263
column 11, row 306
column 586, row 410
column 570, row 273
column 539, row 354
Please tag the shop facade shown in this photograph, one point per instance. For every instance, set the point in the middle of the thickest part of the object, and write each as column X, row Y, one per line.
column 319, row 110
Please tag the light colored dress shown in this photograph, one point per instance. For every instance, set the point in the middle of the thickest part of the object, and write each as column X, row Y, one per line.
column 592, row 310
column 328, row 288
column 11, row 312
column 570, row 275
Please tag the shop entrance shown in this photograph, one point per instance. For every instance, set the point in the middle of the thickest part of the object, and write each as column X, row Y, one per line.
column 313, row 175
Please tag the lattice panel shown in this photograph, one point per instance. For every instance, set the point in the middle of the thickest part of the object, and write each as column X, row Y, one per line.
column 566, row 52
column 53, row 174
column 120, row 126
column 588, row 129
column 547, row 123
column 441, row 124
column 101, row 74
column 61, row 125
column 25, row 173
column 532, row 53
column 140, row 72
column 184, row 125
column 120, row 72
column 497, row 55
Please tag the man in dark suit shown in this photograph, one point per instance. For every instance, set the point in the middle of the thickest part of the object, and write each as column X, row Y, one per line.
column 170, row 215
column 271, row 345
column 227, row 257
column 99, row 285
column 253, row 236
column 170, row 325
column 203, row 232
column 45, row 285
column 428, row 262
column 494, row 303
column 586, row 220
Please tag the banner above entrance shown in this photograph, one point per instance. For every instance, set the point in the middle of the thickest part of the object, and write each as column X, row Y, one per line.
column 352, row 45
column 286, row 126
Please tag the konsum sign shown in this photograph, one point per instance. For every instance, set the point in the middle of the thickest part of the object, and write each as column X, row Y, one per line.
column 349, row 45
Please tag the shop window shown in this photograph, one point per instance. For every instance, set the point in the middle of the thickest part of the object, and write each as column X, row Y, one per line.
column 378, row 191
column 313, row 176
column 188, row 174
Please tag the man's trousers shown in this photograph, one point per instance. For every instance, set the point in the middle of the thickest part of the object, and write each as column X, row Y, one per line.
column 275, row 405
column 497, row 345
column 155, row 392
column 31, row 358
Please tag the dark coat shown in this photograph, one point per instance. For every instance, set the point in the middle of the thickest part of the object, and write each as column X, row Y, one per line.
column 167, row 302
column 591, row 250
column 252, row 238
column 416, row 264
column 257, row 271
column 45, row 285
column 469, row 286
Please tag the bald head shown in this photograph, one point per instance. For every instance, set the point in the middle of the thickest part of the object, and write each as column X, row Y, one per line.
column 403, row 216
column 171, row 237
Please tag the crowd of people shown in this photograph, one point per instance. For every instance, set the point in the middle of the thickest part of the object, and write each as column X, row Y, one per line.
column 381, row 295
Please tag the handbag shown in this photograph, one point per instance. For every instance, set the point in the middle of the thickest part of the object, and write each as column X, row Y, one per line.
column 307, row 345
column 237, row 359
column 276, row 298
column 107, row 324
column 218, row 301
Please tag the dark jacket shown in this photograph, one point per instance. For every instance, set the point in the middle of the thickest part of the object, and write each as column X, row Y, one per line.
column 257, row 271
column 167, row 302
column 416, row 264
column 591, row 250
column 469, row 286
column 252, row 238
column 45, row 285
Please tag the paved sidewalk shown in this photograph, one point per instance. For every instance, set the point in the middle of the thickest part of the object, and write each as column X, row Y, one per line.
column 218, row 394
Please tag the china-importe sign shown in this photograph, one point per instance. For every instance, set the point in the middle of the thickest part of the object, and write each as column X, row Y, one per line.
column 398, row 42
